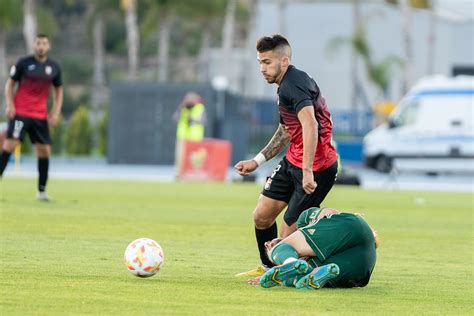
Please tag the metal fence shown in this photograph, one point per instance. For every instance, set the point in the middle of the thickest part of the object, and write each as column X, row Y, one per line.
column 142, row 130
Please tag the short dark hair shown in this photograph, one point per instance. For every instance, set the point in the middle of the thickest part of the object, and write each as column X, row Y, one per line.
column 42, row 35
column 275, row 42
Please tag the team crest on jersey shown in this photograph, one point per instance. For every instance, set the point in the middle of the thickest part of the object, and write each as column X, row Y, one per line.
column 12, row 70
column 268, row 184
column 48, row 70
column 31, row 67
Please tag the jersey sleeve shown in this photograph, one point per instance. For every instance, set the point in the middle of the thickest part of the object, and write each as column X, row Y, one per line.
column 16, row 71
column 57, row 80
column 297, row 94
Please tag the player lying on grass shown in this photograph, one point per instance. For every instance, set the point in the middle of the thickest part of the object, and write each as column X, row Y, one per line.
column 340, row 248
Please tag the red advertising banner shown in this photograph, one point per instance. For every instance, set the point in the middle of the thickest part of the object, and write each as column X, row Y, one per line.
column 205, row 160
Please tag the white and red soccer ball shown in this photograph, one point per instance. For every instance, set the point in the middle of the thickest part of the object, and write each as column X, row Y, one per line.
column 144, row 257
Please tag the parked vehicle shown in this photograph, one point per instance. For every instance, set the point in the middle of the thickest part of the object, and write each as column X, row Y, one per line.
column 433, row 121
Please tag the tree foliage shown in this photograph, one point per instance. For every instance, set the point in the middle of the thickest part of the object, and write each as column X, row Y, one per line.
column 57, row 136
column 379, row 73
column 102, row 128
column 11, row 14
column 79, row 133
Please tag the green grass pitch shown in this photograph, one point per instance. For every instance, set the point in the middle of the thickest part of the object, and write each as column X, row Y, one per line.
column 66, row 257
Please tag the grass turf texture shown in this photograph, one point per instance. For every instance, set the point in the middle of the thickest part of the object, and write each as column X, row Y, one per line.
column 67, row 256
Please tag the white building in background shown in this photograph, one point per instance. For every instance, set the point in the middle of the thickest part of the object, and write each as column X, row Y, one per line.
column 311, row 25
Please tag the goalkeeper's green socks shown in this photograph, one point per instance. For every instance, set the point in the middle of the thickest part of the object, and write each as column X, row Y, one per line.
column 282, row 253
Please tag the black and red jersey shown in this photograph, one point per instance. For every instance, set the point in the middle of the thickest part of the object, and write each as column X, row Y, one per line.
column 34, row 79
column 297, row 90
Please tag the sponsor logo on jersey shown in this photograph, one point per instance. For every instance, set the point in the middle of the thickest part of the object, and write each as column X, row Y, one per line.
column 48, row 70
column 31, row 67
column 311, row 231
column 12, row 70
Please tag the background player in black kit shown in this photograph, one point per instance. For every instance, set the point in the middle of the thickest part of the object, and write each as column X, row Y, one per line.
column 27, row 108
column 307, row 173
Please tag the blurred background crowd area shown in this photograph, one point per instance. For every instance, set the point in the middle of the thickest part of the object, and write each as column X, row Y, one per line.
column 133, row 60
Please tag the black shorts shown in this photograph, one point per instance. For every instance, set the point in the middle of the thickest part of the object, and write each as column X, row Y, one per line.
column 285, row 184
column 37, row 129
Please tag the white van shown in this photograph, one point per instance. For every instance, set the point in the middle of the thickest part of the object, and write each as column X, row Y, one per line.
column 433, row 122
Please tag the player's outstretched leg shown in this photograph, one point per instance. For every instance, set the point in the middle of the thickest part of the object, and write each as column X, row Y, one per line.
column 317, row 278
column 257, row 272
column 277, row 275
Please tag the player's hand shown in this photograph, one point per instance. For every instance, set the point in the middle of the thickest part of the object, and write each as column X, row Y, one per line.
column 10, row 111
column 272, row 243
column 326, row 212
column 255, row 281
column 245, row 167
column 309, row 185
column 53, row 120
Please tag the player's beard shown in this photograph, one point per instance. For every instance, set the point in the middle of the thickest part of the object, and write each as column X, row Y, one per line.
column 41, row 53
column 272, row 79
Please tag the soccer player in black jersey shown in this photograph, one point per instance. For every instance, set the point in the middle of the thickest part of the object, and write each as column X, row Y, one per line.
column 307, row 173
column 27, row 107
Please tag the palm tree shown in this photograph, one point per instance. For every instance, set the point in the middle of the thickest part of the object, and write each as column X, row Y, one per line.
column 98, row 78
column 354, row 65
column 207, row 14
column 250, row 45
column 162, row 14
column 378, row 73
column 30, row 24
column 97, row 12
column 10, row 16
column 228, row 36
column 405, row 9
column 31, row 15
column 407, row 30
column 133, row 37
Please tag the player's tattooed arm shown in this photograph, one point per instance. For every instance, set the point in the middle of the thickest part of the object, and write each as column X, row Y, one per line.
column 279, row 141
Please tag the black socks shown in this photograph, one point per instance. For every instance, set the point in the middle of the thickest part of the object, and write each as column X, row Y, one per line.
column 264, row 235
column 4, row 156
column 43, row 166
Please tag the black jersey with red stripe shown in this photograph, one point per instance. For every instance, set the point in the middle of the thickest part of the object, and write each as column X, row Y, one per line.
column 34, row 83
column 297, row 90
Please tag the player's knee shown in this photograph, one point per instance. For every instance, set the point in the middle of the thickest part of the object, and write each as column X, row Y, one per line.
column 43, row 151
column 261, row 221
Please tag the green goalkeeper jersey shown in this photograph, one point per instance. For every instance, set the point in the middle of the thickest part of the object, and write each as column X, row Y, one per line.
column 345, row 239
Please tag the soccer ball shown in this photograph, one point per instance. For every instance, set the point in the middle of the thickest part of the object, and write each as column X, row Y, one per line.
column 144, row 257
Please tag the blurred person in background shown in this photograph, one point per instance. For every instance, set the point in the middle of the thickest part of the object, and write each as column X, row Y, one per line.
column 190, row 116
column 307, row 173
column 26, row 108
